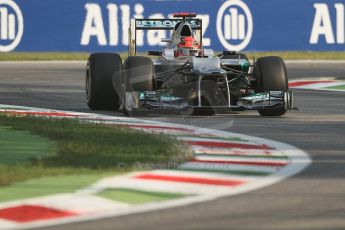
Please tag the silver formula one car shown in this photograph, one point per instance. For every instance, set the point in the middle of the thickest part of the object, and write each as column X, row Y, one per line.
column 185, row 77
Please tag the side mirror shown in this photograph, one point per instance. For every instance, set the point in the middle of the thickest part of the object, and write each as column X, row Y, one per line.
column 154, row 53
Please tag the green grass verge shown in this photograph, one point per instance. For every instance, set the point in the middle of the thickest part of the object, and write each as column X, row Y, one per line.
column 137, row 197
column 41, row 56
column 300, row 55
column 44, row 148
column 47, row 56
column 339, row 87
column 48, row 185
column 19, row 146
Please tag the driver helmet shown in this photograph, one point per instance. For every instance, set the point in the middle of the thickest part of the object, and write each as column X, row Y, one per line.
column 187, row 47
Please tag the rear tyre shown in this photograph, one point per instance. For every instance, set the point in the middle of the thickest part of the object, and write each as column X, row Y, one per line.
column 138, row 76
column 100, row 94
column 272, row 76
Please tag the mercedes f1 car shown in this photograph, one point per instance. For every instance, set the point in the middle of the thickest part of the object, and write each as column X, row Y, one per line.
column 185, row 76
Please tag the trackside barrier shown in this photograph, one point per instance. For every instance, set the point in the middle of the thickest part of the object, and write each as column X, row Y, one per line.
column 102, row 25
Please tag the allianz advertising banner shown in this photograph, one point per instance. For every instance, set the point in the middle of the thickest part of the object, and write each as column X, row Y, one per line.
column 102, row 25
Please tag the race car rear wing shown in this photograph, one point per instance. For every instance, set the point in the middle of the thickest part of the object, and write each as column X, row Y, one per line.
column 165, row 24
column 158, row 24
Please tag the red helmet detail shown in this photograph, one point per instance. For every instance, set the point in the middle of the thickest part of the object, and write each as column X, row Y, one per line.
column 187, row 42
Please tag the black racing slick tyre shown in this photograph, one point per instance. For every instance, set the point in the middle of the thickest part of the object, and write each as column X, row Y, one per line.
column 138, row 76
column 272, row 76
column 100, row 94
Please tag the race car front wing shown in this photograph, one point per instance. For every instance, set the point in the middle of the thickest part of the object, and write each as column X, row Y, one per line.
column 162, row 102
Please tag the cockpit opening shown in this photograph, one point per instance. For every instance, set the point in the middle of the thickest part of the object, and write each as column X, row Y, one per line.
column 186, row 31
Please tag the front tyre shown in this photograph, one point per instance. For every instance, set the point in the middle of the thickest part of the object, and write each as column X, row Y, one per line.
column 138, row 76
column 100, row 94
column 272, row 76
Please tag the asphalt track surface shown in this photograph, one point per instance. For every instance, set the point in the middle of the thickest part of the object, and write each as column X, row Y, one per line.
column 313, row 199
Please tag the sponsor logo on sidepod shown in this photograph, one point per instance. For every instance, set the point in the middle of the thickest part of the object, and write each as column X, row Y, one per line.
column 234, row 25
column 11, row 25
